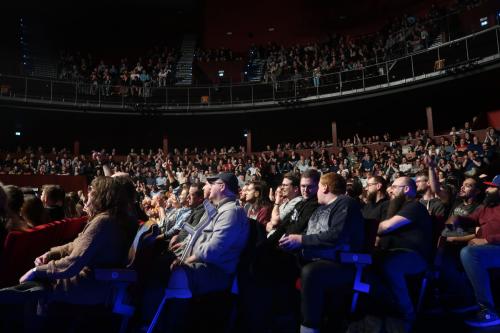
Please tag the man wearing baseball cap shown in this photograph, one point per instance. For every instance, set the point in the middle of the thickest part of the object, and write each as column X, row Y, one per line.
column 211, row 261
column 483, row 253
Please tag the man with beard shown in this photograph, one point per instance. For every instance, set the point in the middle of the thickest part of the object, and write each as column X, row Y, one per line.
column 428, row 190
column 465, row 204
column 377, row 199
column 455, row 290
column 483, row 253
column 404, row 243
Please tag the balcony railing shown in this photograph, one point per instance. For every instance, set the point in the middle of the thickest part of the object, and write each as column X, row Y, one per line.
column 462, row 54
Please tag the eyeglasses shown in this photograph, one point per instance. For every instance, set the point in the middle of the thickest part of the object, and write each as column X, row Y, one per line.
column 370, row 184
column 395, row 186
column 308, row 186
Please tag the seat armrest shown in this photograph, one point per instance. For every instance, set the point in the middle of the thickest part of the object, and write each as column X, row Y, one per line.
column 360, row 260
column 355, row 258
column 115, row 274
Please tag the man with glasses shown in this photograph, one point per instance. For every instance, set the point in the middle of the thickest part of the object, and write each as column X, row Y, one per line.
column 276, row 269
column 285, row 198
column 335, row 226
column 296, row 220
column 405, row 244
column 377, row 200
column 211, row 261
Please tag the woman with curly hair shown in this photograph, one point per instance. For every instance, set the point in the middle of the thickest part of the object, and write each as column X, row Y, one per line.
column 67, row 270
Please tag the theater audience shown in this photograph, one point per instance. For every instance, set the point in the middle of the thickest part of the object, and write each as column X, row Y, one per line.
column 335, row 226
column 455, row 290
column 285, row 198
column 4, row 215
column 405, row 243
column 259, row 209
column 33, row 212
column 53, row 201
column 483, row 253
column 377, row 200
column 212, row 259
column 72, row 205
column 67, row 271
column 15, row 200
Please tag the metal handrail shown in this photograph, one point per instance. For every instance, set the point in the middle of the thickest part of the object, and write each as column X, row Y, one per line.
column 339, row 82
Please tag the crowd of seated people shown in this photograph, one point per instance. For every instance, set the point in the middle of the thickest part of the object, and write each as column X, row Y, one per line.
column 27, row 208
column 460, row 152
column 398, row 37
column 313, row 210
column 132, row 78
column 216, row 55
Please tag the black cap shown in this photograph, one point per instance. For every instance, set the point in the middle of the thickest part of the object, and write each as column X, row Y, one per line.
column 228, row 178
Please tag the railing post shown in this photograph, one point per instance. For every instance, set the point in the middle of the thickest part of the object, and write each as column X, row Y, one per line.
column 467, row 47
column 498, row 45
column 99, row 93
column 317, row 89
column 25, row 88
column 231, row 92
column 76, row 91
column 272, row 86
column 166, row 97
column 340, row 82
column 412, row 68
column 51, row 89
column 123, row 98
column 363, row 77
column 387, row 71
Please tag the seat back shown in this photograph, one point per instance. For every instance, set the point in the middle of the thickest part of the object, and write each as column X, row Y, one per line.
column 142, row 249
column 371, row 230
column 21, row 248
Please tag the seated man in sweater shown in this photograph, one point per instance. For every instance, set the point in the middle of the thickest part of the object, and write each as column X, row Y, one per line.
column 337, row 225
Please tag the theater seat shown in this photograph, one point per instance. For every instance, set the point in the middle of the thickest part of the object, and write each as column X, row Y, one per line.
column 140, row 256
column 22, row 247
column 359, row 260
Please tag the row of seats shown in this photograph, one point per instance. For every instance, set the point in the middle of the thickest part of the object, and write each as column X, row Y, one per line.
column 20, row 248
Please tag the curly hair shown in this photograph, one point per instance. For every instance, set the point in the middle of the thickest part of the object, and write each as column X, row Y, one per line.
column 107, row 196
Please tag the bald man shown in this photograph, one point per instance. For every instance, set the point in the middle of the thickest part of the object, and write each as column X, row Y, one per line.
column 405, row 243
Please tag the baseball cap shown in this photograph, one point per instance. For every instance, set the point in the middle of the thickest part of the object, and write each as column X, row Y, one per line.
column 228, row 178
column 495, row 182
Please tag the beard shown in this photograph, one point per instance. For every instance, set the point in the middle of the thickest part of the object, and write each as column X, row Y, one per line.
column 371, row 197
column 421, row 192
column 491, row 199
column 395, row 205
